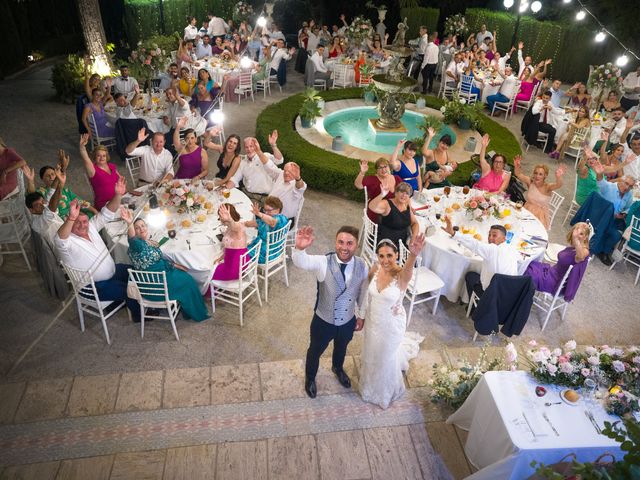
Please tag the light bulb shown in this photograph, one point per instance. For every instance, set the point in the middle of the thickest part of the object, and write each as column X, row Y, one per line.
column 580, row 15
column 622, row 60
column 523, row 7
column 217, row 116
column 156, row 218
column 600, row 36
column 566, row 1
column 246, row 62
column 536, row 6
column 262, row 22
column 508, row 3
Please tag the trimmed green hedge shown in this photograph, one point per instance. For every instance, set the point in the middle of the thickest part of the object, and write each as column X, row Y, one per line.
column 420, row 16
column 333, row 173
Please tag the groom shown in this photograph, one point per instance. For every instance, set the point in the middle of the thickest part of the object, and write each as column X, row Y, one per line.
column 342, row 284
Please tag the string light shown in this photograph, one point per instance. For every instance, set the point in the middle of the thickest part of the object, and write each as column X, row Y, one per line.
column 523, row 7
column 622, row 60
column 581, row 15
column 262, row 22
column 508, row 3
column 536, row 6
column 600, row 36
column 566, row 1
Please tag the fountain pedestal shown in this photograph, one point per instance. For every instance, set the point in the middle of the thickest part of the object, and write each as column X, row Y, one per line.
column 391, row 101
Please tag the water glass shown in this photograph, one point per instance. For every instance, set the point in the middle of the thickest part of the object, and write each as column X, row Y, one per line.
column 590, row 387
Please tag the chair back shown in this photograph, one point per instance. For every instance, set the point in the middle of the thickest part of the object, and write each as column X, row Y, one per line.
column 83, row 285
column 554, row 206
column 14, row 223
column 155, row 84
column 579, row 136
column 248, row 267
column 564, row 281
column 151, row 286
column 340, row 75
column 309, row 72
column 514, row 94
column 133, row 166
column 634, row 237
column 296, row 218
column 443, row 74
column 370, row 239
column 276, row 243
column 95, row 138
column 245, row 80
column 403, row 254
column 466, row 83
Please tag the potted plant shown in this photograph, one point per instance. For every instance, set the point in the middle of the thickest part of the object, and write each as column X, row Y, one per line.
column 310, row 110
column 458, row 111
column 366, row 71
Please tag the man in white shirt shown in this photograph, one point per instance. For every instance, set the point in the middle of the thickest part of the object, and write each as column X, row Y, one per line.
column 79, row 245
column 547, row 120
column 156, row 162
column 314, row 39
column 279, row 55
column 44, row 217
column 123, row 107
column 507, row 82
column 251, row 172
column 497, row 256
column 276, row 33
column 482, row 35
column 618, row 126
column 169, row 78
column 454, row 70
column 289, row 187
column 203, row 47
column 217, row 26
column 176, row 107
column 631, row 87
column 633, row 168
column 429, row 64
column 124, row 83
column 321, row 71
column 524, row 63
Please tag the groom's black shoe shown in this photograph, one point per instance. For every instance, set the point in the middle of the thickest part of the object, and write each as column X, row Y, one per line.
column 310, row 388
column 342, row 377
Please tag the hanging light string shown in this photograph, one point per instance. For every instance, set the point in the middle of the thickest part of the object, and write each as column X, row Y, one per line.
column 604, row 29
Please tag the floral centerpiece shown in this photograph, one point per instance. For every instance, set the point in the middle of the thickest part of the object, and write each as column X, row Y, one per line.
column 242, row 11
column 459, row 111
column 621, row 403
column 359, row 30
column 451, row 384
column 456, row 25
column 147, row 60
column 482, row 206
column 560, row 366
column 182, row 195
column 607, row 76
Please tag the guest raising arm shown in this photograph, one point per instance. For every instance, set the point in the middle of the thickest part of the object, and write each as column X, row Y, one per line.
column 397, row 218
column 266, row 221
column 156, row 162
column 193, row 159
column 103, row 175
column 406, row 167
column 494, row 178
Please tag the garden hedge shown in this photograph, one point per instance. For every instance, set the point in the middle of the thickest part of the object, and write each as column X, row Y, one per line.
column 334, row 173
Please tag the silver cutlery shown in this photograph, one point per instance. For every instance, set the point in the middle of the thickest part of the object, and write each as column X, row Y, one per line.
column 593, row 421
column 548, row 404
column 546, row 417
column 189, row 243
column 529, row 425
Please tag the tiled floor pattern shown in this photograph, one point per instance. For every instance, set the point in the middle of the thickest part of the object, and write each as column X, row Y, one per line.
column 245, row 421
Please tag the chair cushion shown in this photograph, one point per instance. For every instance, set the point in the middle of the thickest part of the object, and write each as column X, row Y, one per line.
column 426, row 281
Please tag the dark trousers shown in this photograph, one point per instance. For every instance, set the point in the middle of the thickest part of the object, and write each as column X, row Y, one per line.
column 321, row 335
column 116, row 289
column 168, row 141
column 428, row 72
column 627, row 103
column 547, row 128
column 415, row 66
column 472, row 280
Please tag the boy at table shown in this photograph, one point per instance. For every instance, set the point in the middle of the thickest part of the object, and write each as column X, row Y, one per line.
column 497, row 256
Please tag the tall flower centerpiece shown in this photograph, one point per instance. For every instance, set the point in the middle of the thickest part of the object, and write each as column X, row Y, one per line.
column 602, row 80
column 456, row 25
column 242, row 11
column 147, row 60
column 359, row 30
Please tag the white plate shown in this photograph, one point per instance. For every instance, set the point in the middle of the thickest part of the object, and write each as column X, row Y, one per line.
column 573, row 404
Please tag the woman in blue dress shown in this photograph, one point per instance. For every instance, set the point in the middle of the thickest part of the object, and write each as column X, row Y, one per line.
column 146, row 255
column 268, row 220
column 406, row 166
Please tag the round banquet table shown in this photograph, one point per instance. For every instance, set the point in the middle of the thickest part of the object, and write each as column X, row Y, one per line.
column 195, row 245
column 450, row 260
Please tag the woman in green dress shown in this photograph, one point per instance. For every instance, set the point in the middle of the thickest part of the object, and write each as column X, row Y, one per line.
column 146, row 255
column 262, row 69
column 586, row 181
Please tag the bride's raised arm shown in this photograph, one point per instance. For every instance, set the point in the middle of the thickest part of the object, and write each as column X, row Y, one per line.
column 415, row 247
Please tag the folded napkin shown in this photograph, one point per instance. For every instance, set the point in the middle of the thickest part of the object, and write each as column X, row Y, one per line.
column 536, row 422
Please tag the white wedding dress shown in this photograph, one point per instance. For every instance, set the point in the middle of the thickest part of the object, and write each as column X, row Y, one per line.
column 388, row 347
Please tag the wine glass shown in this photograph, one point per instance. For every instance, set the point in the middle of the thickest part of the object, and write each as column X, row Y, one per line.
column 447, row 190
column 465, row 190
column 171, row 233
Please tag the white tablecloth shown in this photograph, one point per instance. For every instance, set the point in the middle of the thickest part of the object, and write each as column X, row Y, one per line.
column 448, row 259
column 501, row 415
column 204, row 246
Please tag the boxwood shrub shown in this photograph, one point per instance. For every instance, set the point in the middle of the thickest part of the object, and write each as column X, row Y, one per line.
column 334, row 173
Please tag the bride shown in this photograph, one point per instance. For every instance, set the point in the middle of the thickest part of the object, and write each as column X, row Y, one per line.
column 385, row 352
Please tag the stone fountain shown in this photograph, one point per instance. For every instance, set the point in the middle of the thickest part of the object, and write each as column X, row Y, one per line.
column 394, row 85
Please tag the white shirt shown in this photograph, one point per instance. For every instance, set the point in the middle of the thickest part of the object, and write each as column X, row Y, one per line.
column 551, row 114
column 175, row 110
column 190, row 32
column 124, row 85
column 617, row 131
column 253, row 174
column 312, row 43
column 501, row 258
column 153, row 167
column 279, row 55
column 203, row 50
column 46, row 224
column 85, row 255
column 508, row 86
column 318, row 62
column 422, row 46
column 456, row 69
column 285, row 191
column 633, row 168
column 631, row 81
column 165, row 81
column 217, row 27
column 125, row 112
column 277, row 35
column 318, row 265
column 522, row 65
column 431, row 55
column 481, row 37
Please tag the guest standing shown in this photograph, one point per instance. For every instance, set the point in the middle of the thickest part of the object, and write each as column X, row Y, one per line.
column 374, row 183
column 103, row 175
column 10, row 162
column 396, row 216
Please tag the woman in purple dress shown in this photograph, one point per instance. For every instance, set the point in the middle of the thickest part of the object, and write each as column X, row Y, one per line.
column 547, row 277
column 96, row 107
column 194, row 163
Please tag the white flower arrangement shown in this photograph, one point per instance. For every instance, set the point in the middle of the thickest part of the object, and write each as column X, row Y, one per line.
column 607, row 76
column 360, row 29
column 456, row 25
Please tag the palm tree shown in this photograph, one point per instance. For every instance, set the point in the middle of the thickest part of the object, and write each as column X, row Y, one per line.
column 94, row 37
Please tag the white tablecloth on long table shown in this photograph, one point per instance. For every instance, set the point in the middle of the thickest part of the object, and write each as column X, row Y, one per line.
column 448, row 259
column 196, row 247
column 507, row 429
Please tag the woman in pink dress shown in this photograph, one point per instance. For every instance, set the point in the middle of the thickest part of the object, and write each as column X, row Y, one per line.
column 102, row 174
column 539, row 191
column 494, row 177
column 234, row 242
column 527, row 86
column 194, row 162
column 10, row 163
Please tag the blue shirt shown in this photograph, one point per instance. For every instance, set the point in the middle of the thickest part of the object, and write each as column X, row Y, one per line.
column 556, row 97
column 610, row 192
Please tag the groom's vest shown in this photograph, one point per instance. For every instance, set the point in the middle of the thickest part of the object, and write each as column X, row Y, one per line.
column 336, row 302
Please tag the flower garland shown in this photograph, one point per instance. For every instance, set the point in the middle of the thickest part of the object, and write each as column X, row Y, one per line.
column 359, row 30
column 242, row 11
column 146, row 60
column 456, row 25
column 606, row 76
